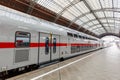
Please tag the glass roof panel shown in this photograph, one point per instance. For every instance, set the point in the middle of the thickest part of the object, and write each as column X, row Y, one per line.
column 98, row 26
column 79, row 22
column 85, row 19
column 107, row 27
column 95, row 22
column 97, row 33
column 94, row 4
column 108, row 14
column 103, row 21
column 117, row 21
column 63, row 3
column 105, row 24
column 117, row 15
column 117, row 3
column 75, row 11
column 90, row 24
column 116, row 31
column 50, row 4
column 117, row 24
column 102, row 30
column 90, row 16
column 72, row 9
column 118, row 27
column 99, row 30
column 100, row 14
column 68, row 15
column 106, row 3
column 81, row 6
column 91, row 29
column 85, row 26
column 111, row 21
column 111, row 25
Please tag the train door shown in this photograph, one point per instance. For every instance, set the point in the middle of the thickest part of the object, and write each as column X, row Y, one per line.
column 44, row 47
column 49, row 48
column 55, row 47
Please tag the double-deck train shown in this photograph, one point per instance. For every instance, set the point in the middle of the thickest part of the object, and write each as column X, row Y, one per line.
column 27, row 42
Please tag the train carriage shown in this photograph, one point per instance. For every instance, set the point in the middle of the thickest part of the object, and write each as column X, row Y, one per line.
column 27, row 42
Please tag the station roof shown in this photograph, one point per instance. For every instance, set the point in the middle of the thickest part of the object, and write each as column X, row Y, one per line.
column 95, row 17
column 98, row 16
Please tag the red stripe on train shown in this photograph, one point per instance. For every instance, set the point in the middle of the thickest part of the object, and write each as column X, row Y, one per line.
column 12, row 45
column 43, row 44
column 7, row 45
column 37, row 44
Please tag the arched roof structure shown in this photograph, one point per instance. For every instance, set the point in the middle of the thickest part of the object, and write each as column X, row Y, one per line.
column 98, row 16
column 94, row 17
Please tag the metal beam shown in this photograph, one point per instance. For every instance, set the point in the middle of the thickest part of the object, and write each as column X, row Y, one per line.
column 113, row 13
column 111, row 18
column 31, row 6
column 99, row 24
column 97, row 28
column 80, row 12
column 89, row 7
column 104, row 14
column 108, row 34
column 67, row 7
column 99, row 32
column 98, row 10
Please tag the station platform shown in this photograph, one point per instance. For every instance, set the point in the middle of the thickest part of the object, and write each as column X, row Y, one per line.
column 103, row 64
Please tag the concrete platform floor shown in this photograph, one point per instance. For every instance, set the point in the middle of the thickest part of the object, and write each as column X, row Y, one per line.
column 103, row 64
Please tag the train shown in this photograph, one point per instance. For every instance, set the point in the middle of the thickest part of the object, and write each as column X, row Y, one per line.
column 26, row 42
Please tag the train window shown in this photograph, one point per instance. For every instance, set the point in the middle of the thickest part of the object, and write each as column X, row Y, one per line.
column 83, row 37
column 22, row 39
column 54, row 45
column 72, row 49
column 70, row 34
column 80, row 36
column 75, row 35
column 78, row 48
column 47, row 45
column 90, row 38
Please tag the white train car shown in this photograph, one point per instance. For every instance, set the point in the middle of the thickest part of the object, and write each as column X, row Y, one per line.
column 26, row 42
